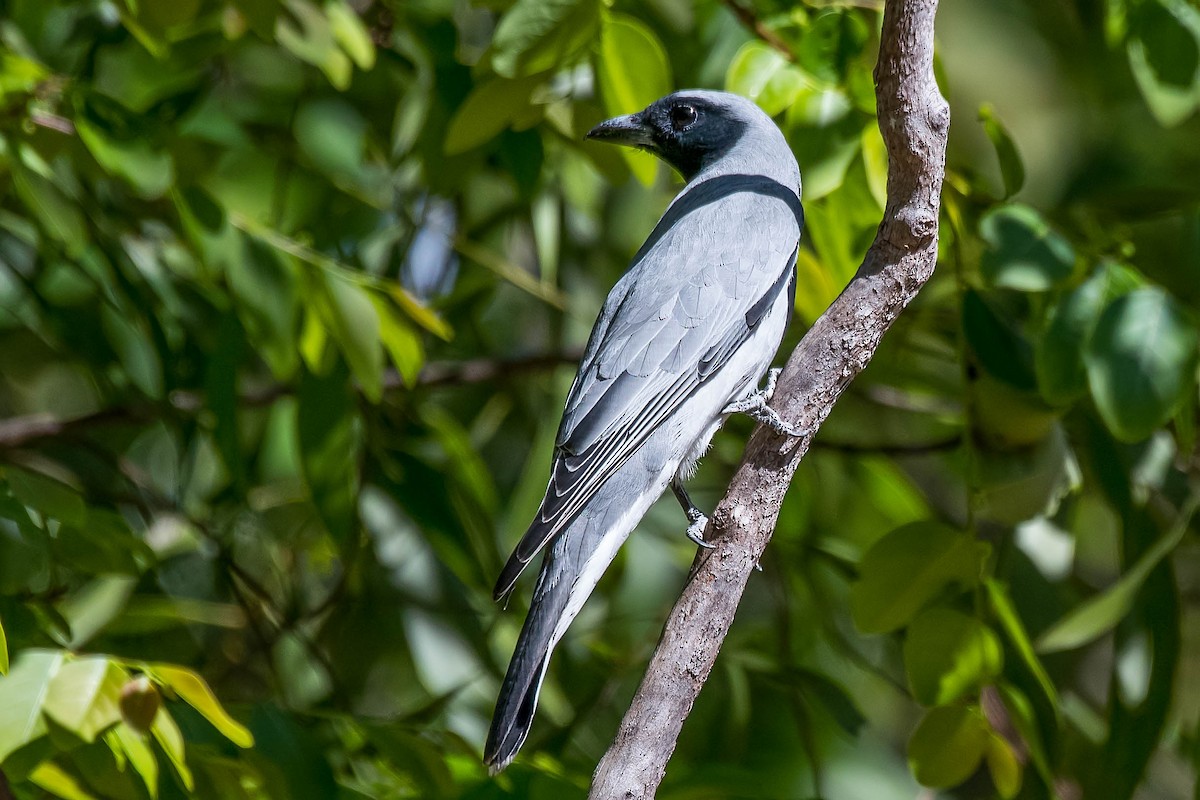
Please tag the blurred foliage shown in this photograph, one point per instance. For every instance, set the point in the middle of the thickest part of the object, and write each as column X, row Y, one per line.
column 289, row 299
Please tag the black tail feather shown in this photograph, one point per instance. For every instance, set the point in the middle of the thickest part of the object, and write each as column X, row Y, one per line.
column 518, row 697
column 514, row 716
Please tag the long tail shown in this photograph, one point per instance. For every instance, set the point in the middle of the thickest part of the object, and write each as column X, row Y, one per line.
column 518, row 697
column 570, row 570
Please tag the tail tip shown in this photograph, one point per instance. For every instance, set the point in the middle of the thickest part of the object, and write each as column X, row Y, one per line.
column 496, row 764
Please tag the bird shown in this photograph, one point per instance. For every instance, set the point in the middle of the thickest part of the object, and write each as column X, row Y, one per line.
column 682, row 341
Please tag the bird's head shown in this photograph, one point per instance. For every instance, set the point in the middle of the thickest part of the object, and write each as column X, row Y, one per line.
column 687, row 129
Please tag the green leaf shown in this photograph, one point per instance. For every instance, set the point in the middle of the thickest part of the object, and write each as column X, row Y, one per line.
column 1023, row 251
column 1164, row 55
column 194, row 691
column 83, row 695
column 1100, row 614
column 761, row 73
column 909, row 567
column 22, row 693
column 1002, row 351
column 58, row 216
column 154, row 614
column 135, row 350
column 332, row 134
column 418, row 312
column 136, row 748
column 825, row 138
column 1141, row 362
column 151, row 172
column 1025, row 720
column 138, row 80
column 330, row 437
column 58, row 782
column 351, row 33
column 265, row 289
column 93, row 606
column 401, row 339
column 1012, row 169
column 838, row 702
column 1004, row 767
column 1058, row 356
column 875, row 162
column 3, row 650
column 48, row 496
column 167, row 734
column 1010, row 622
column 313, row 41
column 948, row 745
column 490, row 108
column 633, row 72
column 539, row 35
column 948, row 655
column 834, row 37
column 351, row 320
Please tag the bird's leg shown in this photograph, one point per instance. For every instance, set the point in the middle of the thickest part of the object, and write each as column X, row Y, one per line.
column 754, row 405
column 697, row 519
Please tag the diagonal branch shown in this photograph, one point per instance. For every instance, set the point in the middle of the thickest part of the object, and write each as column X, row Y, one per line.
column 914, row 119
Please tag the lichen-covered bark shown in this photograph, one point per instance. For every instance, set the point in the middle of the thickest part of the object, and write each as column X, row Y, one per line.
column 914, row 119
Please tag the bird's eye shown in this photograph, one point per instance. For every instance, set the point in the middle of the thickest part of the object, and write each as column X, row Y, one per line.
column 682, row 116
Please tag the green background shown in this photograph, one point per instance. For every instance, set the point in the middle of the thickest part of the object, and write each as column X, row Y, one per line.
column 290, row 296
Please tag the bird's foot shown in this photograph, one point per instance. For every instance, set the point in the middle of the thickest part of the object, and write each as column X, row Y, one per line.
column 698, row 521
column 754, row 405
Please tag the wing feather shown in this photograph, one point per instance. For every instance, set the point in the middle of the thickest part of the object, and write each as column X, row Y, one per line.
column 689, row 302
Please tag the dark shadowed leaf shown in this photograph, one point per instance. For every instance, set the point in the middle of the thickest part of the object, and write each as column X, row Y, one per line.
column 221, row 383
column 948, row 654
column 1014, row 629
column 330, row 437
column 149, row 170
column 1001, row 349
column 46, row 495
column 1164, row 55
column 833, row 39
column 909, row 567
column 1023, row 251
column 1058, row 358
column 1141, row 361
column 1012, row 169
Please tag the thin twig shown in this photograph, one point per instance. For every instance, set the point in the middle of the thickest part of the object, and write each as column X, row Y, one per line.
column 748, row 18
column 29, row 429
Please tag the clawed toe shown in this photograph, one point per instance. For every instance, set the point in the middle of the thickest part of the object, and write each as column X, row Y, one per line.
column 754, row 405
column 695, row 532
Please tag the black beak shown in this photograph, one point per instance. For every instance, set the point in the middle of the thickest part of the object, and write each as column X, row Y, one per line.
column 630, row 129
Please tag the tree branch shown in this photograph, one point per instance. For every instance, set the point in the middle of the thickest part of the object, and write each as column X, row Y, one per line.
column 18, row 432
column 747, row 17
column 914, row 119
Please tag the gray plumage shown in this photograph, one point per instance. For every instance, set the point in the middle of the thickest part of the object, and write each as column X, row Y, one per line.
column 690, row 329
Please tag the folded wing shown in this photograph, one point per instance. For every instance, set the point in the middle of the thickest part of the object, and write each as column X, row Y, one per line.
column 694, row 296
